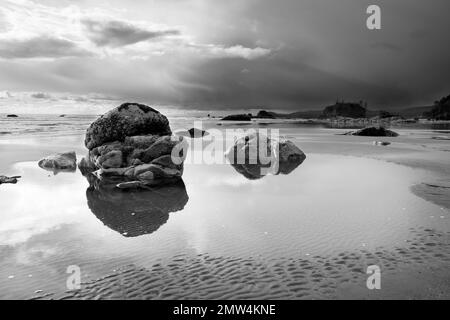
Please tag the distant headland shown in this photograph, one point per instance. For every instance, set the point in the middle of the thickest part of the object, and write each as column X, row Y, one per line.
column 440, row 110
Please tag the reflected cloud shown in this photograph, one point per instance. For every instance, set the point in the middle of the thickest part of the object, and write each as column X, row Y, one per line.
column 133, row 213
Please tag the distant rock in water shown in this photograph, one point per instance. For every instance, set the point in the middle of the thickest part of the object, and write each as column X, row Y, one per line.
column 265, row 115
column 5, row 179
column 134, row 142
column 245, row 156
column 12, row 116
column 344, row 109
column 193, row 133
column 134, row 213
column 59, row 162
column 238, row 117
column 374, row 132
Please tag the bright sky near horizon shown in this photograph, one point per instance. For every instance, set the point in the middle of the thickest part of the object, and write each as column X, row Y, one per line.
column 223, row 54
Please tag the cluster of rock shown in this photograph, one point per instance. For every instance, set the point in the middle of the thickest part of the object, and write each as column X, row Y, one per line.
column 134, row 142
column 5, row 179
column 244, row 156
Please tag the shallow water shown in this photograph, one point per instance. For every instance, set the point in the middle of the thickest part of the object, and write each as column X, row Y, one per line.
column 309, row 234
column 329, row 205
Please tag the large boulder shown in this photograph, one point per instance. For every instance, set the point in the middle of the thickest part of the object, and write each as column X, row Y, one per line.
column 129, row 119
column 59, row 162
column 139, row 156
column 280, row 156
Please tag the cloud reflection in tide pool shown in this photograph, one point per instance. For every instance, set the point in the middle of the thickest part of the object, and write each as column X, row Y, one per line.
column 329, row 203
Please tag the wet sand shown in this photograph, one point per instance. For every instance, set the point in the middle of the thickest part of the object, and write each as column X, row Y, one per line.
column 276, row 238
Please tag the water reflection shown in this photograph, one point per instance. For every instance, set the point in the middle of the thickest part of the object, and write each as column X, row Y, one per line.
column 257, row 171
column 134, row 212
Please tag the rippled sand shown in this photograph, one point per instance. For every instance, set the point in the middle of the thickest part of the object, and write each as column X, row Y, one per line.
column 310, row 234
column 318, row 277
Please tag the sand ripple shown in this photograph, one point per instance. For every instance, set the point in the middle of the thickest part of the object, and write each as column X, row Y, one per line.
column 342, row 275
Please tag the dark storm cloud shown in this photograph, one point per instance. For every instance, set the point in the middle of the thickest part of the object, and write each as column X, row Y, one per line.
column 114, row 33
column 40, row 47
column 287, row 54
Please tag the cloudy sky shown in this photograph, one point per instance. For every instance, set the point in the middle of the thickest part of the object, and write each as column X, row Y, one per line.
column 287, row 54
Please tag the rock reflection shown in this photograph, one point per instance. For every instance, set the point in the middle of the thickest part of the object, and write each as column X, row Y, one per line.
column 134, row 212
column 256, row 171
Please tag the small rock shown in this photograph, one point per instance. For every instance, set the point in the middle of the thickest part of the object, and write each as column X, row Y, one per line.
column 59, row 162
column 193, row 133
column 381, row 143
column 5, row 179
column 375, row 132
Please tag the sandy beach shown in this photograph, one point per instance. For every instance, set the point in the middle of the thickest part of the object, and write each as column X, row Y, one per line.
column 307, row 235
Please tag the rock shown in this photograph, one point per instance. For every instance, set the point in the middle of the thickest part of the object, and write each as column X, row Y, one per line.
column 86, row 166
column 381, row 143
column 140, row 160
column 244, row 156
column 129, row 119
column 238, row 117
column 290, row 156
column 162, row 146
column 193, row 133
column 59, row 162
column 132, row 208
column 12, row 116
column 375, row 132
column 112, row 159
column 265, row 115
column 13, row 180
